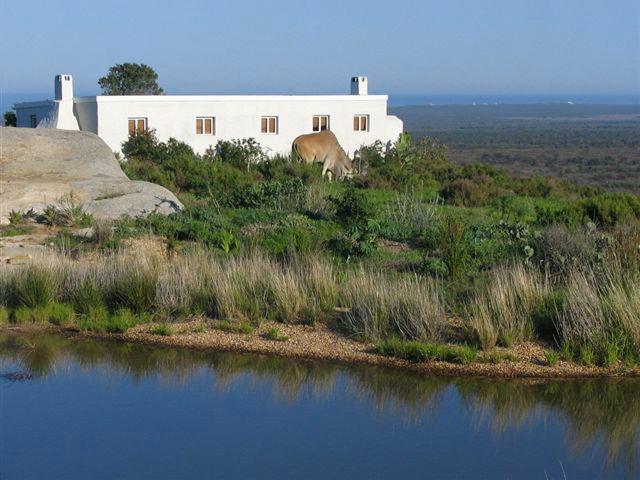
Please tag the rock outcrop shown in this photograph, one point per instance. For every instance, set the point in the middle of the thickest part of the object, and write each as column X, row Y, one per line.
column 39, row 167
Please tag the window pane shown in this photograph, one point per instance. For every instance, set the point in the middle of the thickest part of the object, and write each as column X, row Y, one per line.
column 363, row 125
column 208, row 126
column 316, row 124
column 132, row 127
column 263, row 125
column 141, row 126
column 198, row 126
column 356, row 123
column 272, row 125
column 323, row 123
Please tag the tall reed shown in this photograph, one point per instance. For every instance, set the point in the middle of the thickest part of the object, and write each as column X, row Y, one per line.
column 502, row 312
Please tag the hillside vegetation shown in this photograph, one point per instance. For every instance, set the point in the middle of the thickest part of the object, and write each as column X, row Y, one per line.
column 416, row 253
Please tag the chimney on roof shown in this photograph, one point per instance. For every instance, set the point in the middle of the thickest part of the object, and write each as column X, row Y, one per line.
column 359, row 86
column 64, row 87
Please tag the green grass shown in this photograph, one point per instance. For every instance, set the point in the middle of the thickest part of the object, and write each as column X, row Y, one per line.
column 234, row 327
column 275, row 335
column 98, row 319
column 424, row 351
column 60, row 313
column 33, row 287
column 4, row 315
column 552, row 357
column 162, row 329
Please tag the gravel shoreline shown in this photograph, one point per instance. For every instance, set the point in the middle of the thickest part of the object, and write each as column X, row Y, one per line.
column 320, row 343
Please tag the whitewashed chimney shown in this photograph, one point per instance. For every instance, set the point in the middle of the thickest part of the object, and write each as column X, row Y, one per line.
column 359, row 86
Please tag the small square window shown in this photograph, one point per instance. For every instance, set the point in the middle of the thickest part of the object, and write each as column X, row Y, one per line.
column 205, row 126
column 269, row 125
column 137, row 125
column 320, row 123
column 361, row 123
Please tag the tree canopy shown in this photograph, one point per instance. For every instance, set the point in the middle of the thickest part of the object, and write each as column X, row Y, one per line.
column 130, row 79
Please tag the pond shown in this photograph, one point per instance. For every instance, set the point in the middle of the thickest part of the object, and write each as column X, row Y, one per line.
column 86, row 409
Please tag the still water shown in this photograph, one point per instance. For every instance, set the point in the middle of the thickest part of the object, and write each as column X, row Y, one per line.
column 90, row 410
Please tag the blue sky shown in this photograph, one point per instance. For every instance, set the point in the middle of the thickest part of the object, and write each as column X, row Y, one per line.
column 277, row 46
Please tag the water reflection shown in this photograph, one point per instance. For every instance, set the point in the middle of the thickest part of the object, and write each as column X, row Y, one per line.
column 600, row 413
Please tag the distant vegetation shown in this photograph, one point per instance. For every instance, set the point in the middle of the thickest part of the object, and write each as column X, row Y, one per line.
column 589, row 144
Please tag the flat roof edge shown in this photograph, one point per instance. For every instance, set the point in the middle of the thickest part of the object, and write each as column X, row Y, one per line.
column 219, row 98
column 36, row 103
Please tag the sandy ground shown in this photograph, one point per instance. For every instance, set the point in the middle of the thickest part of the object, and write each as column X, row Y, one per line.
column 318, row 342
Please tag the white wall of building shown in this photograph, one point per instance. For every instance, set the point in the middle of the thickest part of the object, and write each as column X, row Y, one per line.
column 240, row 117
column 236, row 116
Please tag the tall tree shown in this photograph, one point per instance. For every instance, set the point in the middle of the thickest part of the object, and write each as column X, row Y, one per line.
column 10, row 119
column 130, row 79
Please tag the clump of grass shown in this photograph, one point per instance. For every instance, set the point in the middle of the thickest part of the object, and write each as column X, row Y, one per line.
column 552, row 357
column 600, row 320
column 27, row 315
column 162, row 329
column 94, row 319
column 134, row 288
column 234, row 326
column 499, row 357
column 4, row 315
column 60, row 313
column 122, row 320
column 33, row 287
column 275, row 335
column 86, row 294
column 425, row 351
column 16, row 217
column 98, row 319
column 380, row 306
column 502, row 313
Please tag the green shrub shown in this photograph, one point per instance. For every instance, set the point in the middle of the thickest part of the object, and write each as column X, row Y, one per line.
column 286, row 194
column 611, row 208
column 16, row 217
column 353, row 207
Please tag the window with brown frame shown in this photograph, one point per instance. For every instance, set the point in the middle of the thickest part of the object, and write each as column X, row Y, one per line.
column 361, row 123
column 320, row 123
column 205, row 126
column 137, row 125
column 269, row 124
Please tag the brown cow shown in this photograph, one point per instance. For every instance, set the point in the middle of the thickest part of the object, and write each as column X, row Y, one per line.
column 323, row 147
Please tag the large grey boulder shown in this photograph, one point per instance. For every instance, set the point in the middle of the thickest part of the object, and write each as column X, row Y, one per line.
column 39, row 167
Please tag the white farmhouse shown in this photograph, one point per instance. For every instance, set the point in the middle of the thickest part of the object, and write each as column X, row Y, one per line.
column 202, row 120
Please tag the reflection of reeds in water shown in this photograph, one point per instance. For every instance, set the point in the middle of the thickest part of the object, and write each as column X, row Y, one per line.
column 604, row 413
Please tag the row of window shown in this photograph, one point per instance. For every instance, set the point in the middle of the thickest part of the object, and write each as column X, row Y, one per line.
column 268, row 124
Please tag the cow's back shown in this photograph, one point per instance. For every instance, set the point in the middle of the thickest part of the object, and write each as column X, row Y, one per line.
column 312, row 147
